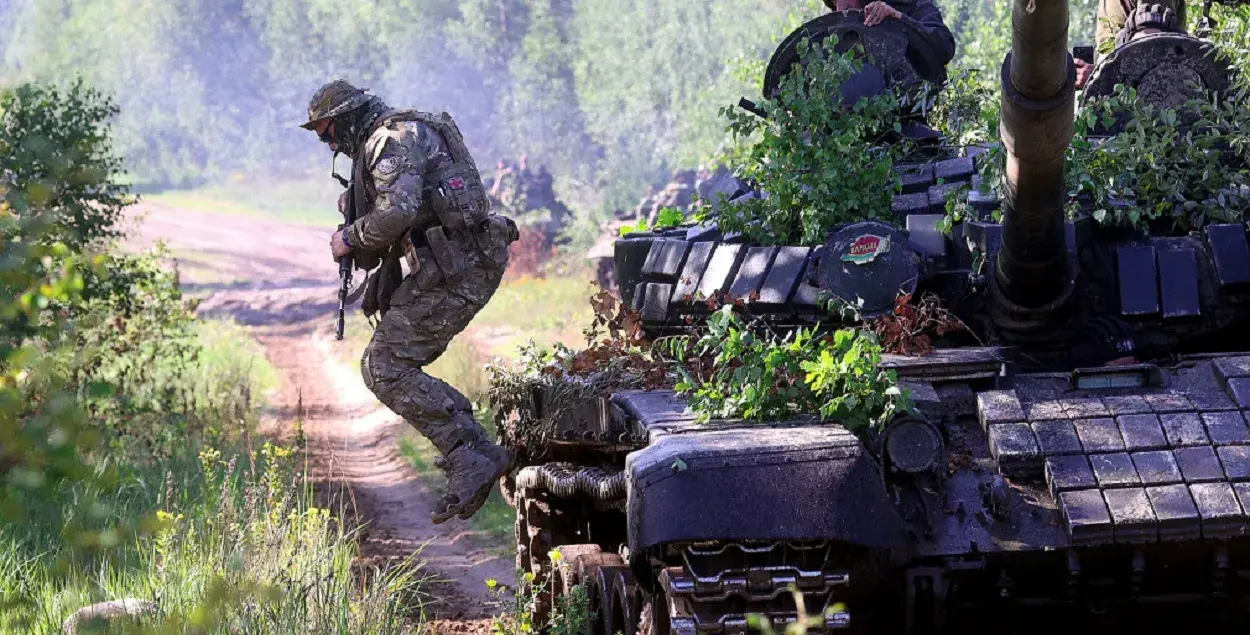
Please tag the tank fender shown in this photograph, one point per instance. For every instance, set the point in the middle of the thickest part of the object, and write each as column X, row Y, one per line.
column 786, row 482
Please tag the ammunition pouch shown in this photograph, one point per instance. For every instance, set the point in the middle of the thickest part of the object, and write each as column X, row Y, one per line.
column 446, row 252
column 458, row 197
column 382, row 284
column 367, row 260
column 495, row 234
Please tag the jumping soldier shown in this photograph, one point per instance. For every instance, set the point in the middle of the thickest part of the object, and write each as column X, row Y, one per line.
column 419, row 196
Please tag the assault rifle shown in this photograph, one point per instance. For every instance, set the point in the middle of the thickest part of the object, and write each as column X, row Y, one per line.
column 346, row 262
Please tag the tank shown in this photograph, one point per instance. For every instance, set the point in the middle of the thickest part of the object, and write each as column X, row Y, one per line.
column 1083, row 464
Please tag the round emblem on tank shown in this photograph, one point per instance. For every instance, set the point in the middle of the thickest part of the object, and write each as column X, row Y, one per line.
column 868, row 265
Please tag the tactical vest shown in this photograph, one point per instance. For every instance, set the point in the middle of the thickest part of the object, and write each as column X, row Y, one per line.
column 453, row 191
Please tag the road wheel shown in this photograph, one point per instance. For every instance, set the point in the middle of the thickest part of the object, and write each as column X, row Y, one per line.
column 653, row 618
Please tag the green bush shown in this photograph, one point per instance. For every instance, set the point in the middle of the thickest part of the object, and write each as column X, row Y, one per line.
column 1169, row 169
column 99, row 346
column 822, row 162
column 169, row 383
column 56, row 158
column 42, row 428
column 739, row 370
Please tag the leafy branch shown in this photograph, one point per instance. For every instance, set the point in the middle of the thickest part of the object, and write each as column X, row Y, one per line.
column 821, row 161
column 740, row 370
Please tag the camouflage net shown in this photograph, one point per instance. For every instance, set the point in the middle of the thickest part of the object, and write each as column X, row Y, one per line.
column 617, row 358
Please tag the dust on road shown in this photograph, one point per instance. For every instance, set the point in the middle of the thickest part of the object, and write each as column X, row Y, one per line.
column 279, row 280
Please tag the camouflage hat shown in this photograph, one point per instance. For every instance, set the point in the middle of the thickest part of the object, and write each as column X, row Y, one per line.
column 334, row 99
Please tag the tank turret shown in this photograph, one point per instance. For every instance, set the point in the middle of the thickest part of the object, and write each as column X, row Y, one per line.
column 1033, row 271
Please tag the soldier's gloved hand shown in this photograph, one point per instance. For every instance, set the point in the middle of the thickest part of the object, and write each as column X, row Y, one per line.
column 343, row 204
column 878, row 12
column 338, row 247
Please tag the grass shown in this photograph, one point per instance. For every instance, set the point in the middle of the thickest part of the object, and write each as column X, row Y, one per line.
column 223, row 546
column 222, row 535
column 545, row 310
column 306, row 202
column 229, row 359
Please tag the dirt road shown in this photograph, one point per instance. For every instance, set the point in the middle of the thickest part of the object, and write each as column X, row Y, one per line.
column 279, row 280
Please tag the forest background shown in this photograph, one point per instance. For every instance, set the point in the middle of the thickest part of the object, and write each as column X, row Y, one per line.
column 610, row 96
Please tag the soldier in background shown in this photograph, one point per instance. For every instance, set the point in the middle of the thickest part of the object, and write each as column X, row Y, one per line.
column 1119, row 21
column 678, row 194
column 521, row 190
column 643, row 208
column 419, row 196
column 921, row 17
column 504, row 175
column 540, row 193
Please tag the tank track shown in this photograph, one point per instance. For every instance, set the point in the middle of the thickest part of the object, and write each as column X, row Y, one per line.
column 718, row 584
column 566, row 480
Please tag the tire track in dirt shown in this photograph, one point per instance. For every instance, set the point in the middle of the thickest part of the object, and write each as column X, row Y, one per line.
column 278, row 280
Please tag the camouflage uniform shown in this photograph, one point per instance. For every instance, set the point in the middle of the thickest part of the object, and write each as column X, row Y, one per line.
column 1113, row 17
column 423, row 200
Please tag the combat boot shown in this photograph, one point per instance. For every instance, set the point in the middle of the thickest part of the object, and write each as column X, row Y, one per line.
column 471, row 473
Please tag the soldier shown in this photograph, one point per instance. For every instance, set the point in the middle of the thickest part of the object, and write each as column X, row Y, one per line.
column 922, row 17
column 503, row 176
column 1118, row 21
column 419, row 195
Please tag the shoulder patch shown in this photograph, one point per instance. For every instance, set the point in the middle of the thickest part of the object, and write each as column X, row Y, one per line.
column 388, row 165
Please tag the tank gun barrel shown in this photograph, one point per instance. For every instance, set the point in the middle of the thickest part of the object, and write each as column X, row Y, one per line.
column 1032, row 269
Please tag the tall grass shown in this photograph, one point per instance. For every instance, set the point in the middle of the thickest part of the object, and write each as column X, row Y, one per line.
column 227, row 545
column 219, row 529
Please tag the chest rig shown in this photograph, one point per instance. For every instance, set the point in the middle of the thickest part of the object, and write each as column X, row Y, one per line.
column 453, row 189
column 452, row 194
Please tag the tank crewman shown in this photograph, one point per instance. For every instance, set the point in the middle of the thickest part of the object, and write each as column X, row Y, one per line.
column 1118, row 21
column 419, row 196
column 922, row 18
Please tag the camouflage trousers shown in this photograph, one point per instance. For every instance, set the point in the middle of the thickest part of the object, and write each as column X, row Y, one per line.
column 426, row 312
